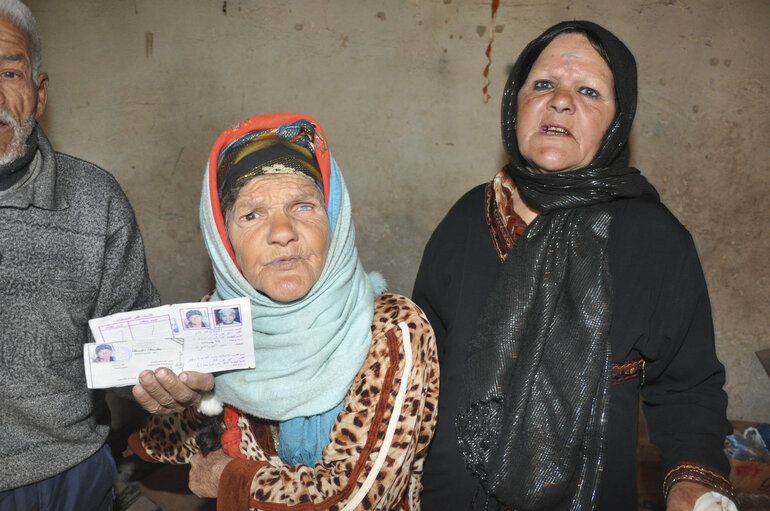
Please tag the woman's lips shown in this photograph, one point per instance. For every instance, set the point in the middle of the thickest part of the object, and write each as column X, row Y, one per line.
column 555, row 129
column 283, row 262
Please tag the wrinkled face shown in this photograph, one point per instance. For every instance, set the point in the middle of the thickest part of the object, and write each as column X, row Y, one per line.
column 280, row 235
column 22, row 100
column 104, row 355
column 565, row 106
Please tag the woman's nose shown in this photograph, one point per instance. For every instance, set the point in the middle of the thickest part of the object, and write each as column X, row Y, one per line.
column 562, row 100
column 282, row 230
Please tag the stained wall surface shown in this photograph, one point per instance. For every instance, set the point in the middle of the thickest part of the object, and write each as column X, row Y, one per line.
column 144, row 87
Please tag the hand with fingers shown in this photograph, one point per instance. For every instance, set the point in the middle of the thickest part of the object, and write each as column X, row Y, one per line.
column 206, row 471
column 162, row 392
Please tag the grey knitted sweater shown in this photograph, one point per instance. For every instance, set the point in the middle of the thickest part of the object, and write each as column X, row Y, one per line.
column 70, row 250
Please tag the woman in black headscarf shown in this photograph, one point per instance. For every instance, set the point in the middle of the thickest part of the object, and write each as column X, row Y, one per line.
column 559, row 292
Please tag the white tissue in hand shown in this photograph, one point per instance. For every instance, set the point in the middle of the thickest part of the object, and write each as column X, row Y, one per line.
column 713, row 501
column 210, row 405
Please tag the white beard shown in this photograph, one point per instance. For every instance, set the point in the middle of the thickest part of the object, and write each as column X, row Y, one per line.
column 20, row 134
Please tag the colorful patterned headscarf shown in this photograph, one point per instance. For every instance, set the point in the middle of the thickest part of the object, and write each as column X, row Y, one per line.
column 287, row 149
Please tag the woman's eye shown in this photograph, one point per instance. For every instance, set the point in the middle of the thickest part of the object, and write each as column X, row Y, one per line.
column 249, row 216
column 542, row 84
column 588, row 91
column 306, row 206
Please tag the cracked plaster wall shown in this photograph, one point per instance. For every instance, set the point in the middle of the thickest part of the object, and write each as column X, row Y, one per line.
column 144, row 87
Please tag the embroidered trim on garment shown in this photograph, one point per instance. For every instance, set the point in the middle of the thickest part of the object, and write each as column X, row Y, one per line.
column 697, row 474
column 505, row 225
column 628, row 371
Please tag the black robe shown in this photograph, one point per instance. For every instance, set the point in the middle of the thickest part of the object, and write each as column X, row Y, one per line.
column 661, row 313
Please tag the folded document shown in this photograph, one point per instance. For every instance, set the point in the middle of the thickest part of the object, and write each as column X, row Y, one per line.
column 199, row 336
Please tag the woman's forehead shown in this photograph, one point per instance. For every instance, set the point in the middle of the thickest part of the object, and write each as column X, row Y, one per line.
column 274, row 186
column 571, row 48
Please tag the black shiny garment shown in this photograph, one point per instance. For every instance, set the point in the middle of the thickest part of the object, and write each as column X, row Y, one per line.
column 660, row 312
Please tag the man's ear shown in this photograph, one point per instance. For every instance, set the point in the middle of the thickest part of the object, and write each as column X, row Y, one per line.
column 42, row 94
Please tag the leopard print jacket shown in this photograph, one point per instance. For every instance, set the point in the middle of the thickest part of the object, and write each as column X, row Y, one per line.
column 378, row 442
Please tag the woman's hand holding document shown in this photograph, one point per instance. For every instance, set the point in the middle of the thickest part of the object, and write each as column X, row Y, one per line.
column 201, row 336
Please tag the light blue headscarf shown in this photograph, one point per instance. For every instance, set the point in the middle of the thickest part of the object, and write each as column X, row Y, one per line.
column 308, row 351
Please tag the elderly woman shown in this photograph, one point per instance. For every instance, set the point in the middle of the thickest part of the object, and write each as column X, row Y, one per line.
column 560, row 292
column 340, row 408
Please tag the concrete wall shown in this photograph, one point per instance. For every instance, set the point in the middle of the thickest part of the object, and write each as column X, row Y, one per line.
column 144, row 87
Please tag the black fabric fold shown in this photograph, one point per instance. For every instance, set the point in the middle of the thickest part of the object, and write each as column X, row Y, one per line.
column 549, row 192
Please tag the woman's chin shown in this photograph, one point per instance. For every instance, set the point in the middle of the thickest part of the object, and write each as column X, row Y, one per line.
column 552, row 161
column 285, row 292
column 553, row 167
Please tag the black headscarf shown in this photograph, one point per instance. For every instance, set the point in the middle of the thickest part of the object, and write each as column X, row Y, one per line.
column 534, row 415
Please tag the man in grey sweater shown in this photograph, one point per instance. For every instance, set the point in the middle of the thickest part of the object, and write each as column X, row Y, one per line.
column 70, row 250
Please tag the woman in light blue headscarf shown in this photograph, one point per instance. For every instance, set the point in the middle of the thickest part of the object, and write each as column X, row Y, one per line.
column 340, row 406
